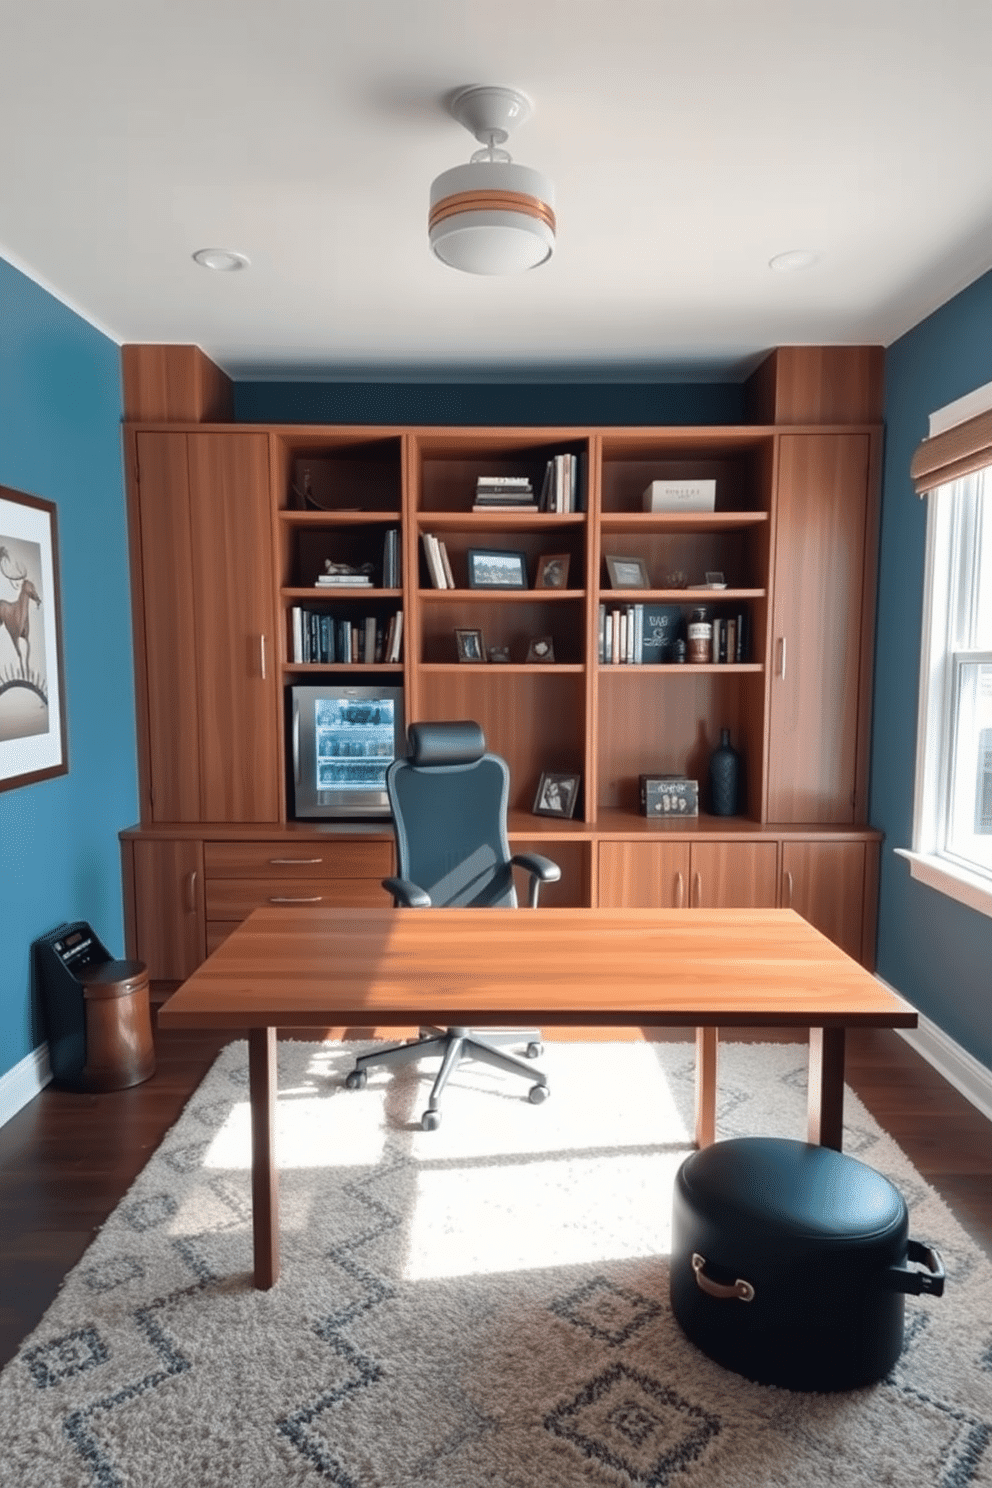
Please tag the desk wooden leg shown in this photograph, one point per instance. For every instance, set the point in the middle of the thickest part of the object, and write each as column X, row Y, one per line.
column 826, row 1087
column 264, row 1179
column 706, row 1049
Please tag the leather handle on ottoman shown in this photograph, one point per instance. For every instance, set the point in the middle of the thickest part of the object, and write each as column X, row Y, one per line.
column 931, row 1281
column 741, row 1291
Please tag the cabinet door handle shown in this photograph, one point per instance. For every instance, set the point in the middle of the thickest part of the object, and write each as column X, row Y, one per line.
column 261, row 655
column 295, row 861
column 314, row 899
column 781, row 657
column 788, row 889
column 697, row 890
column 191, row 892
column 679, row 891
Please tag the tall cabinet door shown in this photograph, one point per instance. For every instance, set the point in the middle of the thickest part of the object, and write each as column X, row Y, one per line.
column 825, row 883
column 236, row 662
column 819, row 579
column 165, row 629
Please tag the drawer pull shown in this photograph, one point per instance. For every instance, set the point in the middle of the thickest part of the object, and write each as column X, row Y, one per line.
column 697, row 890
column 191, row 892
column 788, row 888
column 296, row 861
column 679, row 891
column 743, row 1291
column 316, row 899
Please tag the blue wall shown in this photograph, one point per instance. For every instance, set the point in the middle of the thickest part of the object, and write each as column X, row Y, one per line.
column 60, row 413
column 489, row 403
column 937, row 952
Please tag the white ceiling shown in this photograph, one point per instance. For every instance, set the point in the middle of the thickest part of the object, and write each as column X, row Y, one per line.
column 689, row 141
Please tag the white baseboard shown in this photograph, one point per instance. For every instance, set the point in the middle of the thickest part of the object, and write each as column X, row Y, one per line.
column 959, row 1068
column 24, row 1082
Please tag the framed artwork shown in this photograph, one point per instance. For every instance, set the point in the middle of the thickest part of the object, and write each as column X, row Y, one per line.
column 470, row 645
column 627, row 573
column 552, row 571
column 496, row 569
column 556, row 795
column 32, row 692
column 542, row 648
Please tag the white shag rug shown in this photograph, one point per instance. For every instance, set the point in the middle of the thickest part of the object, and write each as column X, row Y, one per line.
column 482, row 1305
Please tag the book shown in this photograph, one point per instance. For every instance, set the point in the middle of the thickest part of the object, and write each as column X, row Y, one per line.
column 296, row 620
column 343, row 581
column 368, row 639
column 435, row 568
column 446, row 566
column 395, row 647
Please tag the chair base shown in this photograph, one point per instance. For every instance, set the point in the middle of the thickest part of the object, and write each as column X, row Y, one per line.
column 453, row 1045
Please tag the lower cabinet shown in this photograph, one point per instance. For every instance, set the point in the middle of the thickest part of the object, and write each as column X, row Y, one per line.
column 241, row 876
column 164, row 905
column 827, row 884
column 684, row 875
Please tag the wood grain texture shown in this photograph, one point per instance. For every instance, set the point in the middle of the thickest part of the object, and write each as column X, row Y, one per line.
column 300, row 968
column 232, row 574
column 174, row 384
column 171, row 654
column 817, row 627
column 169, row 907
column 818, row 385
column 824, row 882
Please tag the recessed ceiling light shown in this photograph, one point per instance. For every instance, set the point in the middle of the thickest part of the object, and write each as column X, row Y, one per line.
column 224, row 260
column 794, row 261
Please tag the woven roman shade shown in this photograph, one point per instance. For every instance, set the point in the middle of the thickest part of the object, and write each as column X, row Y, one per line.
column 956, row 452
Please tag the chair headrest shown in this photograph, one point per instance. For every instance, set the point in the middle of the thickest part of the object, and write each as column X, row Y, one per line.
column 459, row 743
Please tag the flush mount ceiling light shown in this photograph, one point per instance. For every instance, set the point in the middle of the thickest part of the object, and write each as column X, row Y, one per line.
column 491, row 216
column 224, row 260
column 794, row 261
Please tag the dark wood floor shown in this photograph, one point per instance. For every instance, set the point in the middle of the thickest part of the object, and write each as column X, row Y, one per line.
column 66, row 1159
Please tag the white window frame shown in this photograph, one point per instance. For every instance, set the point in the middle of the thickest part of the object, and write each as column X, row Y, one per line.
column 943, row 599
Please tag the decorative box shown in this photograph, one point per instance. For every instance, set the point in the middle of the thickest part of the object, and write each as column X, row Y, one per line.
column 669, row 795
column 680, row 495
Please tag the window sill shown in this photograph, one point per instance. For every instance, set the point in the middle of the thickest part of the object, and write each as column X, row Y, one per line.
column 946, row 878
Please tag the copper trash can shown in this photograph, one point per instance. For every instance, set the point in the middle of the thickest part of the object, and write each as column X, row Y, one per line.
column 97, row 1012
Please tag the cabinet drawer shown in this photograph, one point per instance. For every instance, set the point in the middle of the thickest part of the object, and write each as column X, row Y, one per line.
column 276, row 860
column 235, row 898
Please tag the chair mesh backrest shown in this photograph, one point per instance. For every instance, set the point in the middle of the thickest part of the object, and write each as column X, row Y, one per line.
column 450, row 824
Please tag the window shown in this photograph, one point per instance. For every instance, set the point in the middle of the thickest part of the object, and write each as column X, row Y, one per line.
column 952, row 828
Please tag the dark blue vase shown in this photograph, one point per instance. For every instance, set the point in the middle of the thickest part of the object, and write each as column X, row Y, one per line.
column 725, row 778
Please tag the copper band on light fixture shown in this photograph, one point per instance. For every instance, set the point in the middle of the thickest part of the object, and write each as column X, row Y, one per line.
column 491, row 201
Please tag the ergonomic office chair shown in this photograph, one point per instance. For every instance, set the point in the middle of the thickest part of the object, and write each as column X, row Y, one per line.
column 449, row 800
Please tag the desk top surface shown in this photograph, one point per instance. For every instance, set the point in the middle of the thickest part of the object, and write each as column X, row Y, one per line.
column 304, row 967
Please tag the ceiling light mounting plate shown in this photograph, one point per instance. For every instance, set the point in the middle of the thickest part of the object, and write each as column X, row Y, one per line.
column 490, row 112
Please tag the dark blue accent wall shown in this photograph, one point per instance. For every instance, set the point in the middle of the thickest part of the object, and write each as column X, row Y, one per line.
column 489, row 403
column 60, row 414
column 935, row 951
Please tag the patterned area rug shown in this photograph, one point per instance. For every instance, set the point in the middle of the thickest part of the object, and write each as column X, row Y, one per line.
column 484, row 1304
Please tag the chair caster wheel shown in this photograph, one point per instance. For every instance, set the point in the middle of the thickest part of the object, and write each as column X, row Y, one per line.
column 430, row 1121
column 537, row 1094
column 357, row 1080
column 534, row 1051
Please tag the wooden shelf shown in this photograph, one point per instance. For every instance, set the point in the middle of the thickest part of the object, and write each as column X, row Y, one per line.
column 506, row 668
column 695, row 668
column 680, row 521
column 343, row 591
column 348, row 518
column 515, row 596
column 496, row 521
column 679, row 596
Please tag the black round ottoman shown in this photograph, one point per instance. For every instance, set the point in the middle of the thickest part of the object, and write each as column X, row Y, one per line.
column 789, row 1263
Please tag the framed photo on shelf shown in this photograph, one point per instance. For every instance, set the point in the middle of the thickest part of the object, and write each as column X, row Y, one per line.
column 496, row 569
column 541, row 648
column 627, row 573
column 470, row 645
column 552, row 571
column 498, row 653
column 556, row 795
column 32, row 689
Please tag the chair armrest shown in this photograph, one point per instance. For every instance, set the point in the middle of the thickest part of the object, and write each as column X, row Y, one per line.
column 541, row 870
column 407, row 895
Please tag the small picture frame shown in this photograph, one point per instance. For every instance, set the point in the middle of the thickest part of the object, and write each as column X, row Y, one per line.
column 471, row 646
column 552, row 571
column 496, row 569
column 556, row 795
column 498, row 654
column 541, row 649
column 627, row 573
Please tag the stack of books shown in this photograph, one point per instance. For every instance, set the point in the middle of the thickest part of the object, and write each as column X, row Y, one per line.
column 564, row 487
column 504, row 493
column 343, row 581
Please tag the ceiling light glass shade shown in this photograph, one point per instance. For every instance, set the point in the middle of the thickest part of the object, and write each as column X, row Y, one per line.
column 492, row 217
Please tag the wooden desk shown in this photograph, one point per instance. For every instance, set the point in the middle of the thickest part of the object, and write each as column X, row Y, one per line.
column 298, row 968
